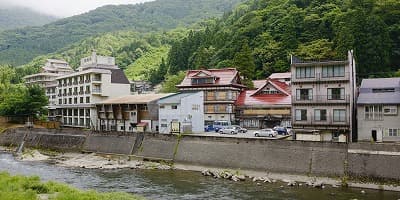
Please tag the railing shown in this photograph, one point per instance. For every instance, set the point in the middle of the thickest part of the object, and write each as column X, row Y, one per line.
column 96, row 79
column 75, row 93
column 87, row 92
column 75, row 83
column 321, row 99
column 81, row 82
column 322, row 77
column 87, row 81
column 327, row 120
column 96, row 91
column 81, row 92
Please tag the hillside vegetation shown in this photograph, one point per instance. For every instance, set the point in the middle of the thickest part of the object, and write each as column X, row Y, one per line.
column 17, row 17
column 22, row 45
column 258, row 37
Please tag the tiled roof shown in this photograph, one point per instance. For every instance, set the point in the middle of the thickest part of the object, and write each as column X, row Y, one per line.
column 224, row 76
column 253, row 97
column 280, row 75
column 136, row 99
column 247, row 99
column 118, row 76
column 175, row 98
column 367, row 96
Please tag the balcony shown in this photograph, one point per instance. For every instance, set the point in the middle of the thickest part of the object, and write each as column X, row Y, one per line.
column 87, row 81
column 69, row 84
column 318, row 99
column 328, row 121
column 96, row 91
column 81, row 92
column 318, row 77
column 75, row 93
column 87, row 92
column 75, row 83
column 81, row 82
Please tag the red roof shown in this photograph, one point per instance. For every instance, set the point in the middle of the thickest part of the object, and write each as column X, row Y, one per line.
column 223, row 77
column 259, row 83
column 253, row 97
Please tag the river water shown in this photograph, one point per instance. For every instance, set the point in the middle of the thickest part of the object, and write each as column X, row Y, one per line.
column 156, row 184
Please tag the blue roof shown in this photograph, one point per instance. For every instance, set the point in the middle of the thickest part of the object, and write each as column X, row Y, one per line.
column 368, row 96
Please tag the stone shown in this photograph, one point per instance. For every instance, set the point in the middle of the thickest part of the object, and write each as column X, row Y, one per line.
column 241, row 177
column 267, row 180
column 318, row 184
column 291, row 183
column 335, row 186
column 362, row 192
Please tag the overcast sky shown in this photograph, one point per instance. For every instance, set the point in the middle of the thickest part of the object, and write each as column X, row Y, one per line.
column 65, row 8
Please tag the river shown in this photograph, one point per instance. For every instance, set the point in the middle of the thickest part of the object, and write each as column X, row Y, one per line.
column 170, row 184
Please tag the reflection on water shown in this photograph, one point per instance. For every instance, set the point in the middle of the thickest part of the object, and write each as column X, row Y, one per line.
column 154, row 184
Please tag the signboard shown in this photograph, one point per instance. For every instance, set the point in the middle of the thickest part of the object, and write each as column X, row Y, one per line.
column 175, row 127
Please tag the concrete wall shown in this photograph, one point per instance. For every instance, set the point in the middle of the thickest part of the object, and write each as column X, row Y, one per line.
column 380, row 161
column 262, row 154
column 374, row 160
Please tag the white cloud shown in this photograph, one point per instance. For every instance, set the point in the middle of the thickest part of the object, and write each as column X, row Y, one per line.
column 65, row 8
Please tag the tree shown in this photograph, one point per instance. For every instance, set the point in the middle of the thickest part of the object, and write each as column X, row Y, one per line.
column 171, row 81
column 244, row 61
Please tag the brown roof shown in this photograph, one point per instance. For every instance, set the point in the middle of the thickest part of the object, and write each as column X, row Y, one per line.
column 136, row 99
column 118, row 76
column 223, row 77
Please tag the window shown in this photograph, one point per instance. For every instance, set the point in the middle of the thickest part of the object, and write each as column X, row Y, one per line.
column 339, row 115
column 209, row 108
column 81, row 100
column 210, row 95
column 301, row 114
column 75, row 100
column 373, row 112
column 70, row 101
column 87, row 99
column 332, row 71
column 144, row 107
column 81, row 112
column 162, row 107
column 393, row 132
column 60, row 101
column 305, row 72
column 304, row 94
column 382, row 90
column 164, row 125
column 195, row 107
column 174, row 107
column 198, row 81
column 221, row 95
column 336, row 94
column 268, row 90
column 65, row 101
column 390, row 110
column 320, row 115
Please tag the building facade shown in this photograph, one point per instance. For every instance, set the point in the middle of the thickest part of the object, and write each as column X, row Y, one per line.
column 186, row 109
column 47, row 80
column 221, row 89
column 323, row 99
column 97, row 79
column 127, row 113
column 267, row 106
column 378, row 107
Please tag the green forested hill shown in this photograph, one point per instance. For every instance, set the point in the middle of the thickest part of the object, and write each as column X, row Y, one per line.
column 17, row 17
column 22, row 45
column 259, row 36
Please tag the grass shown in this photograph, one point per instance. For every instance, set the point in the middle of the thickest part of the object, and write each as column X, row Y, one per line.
column 28, row 188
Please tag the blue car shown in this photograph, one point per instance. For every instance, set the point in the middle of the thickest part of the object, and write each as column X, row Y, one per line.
column 281, row 130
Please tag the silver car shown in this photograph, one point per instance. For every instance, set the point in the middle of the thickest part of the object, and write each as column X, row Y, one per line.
column 228, row 130
column 267, row 132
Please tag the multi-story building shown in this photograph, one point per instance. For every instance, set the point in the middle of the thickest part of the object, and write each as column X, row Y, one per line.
column 127, row 113
column 221, row 88
column 185, row 109
column 267, row 106
column 378, row 107
column 323, row 99
column 97, row 79
column 47, row 80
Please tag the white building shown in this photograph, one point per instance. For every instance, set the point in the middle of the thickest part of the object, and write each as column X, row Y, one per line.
column 47, row 80
column 97, row 79
column 185, row 108
column 323, row 94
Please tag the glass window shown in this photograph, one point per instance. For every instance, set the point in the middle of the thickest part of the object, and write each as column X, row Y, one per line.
column 373, row 112
column 305, row 72
column 332, row 71
column 320, row 115
column 301, row 114
column 339, row 115
column 304, row 94
column 336, row 94
column 174, row 107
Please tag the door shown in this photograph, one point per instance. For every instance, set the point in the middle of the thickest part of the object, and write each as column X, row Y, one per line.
column 373, row 132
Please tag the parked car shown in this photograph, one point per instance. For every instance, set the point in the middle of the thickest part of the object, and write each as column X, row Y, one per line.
column 219, row 124
column 281, row 130
column 228, row 130
column 289, row 130
column 208, row 128
column 239, row 129
column 267, row 132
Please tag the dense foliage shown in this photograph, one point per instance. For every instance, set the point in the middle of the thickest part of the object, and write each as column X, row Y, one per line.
column 17, row 99
column 17, row 17
column 28, row 188
column 22, row 45
column 258, row 37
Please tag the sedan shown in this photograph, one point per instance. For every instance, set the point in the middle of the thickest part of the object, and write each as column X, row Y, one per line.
column 267, row 132
column 240, row 129
column 228, row 130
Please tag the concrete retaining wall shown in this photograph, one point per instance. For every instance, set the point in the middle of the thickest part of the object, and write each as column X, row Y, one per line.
column 262, row 154
column 314, row 158
column 374, row 160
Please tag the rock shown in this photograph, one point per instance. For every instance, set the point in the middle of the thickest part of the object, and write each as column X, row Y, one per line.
column 309, row 183
column 323, row 187
column 273, row 180
column 259, row 184
column 362, row 192
column 318, row 184
column 255, row 179
column 300, row 184
column 335, row 186
column 241, row 177
column 291, row 183
column 267, row 180
column 234, row 178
